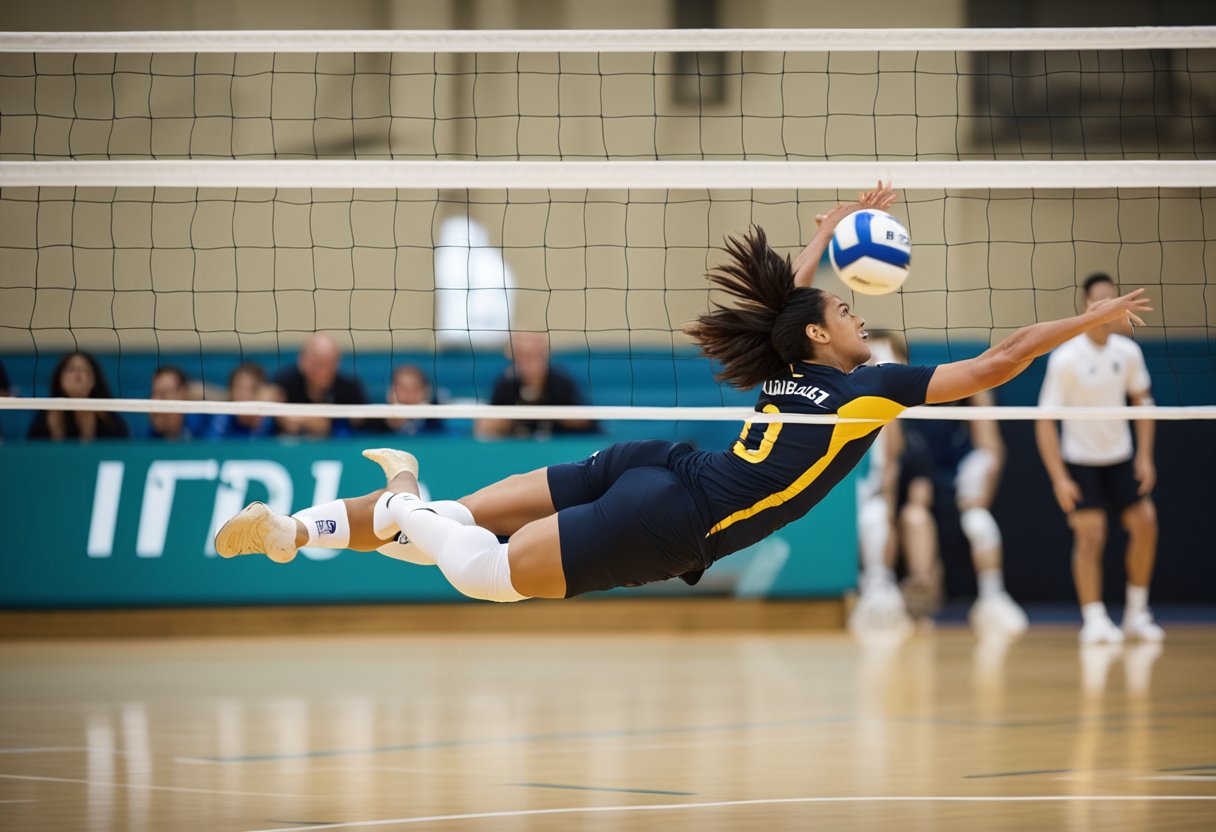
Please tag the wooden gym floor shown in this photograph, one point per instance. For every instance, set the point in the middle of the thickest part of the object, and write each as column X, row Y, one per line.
column 607, row 732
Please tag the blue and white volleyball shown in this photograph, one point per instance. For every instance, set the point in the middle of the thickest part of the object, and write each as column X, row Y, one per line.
column 871, row 251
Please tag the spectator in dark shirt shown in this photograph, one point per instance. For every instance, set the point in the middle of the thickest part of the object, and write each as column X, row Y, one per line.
column 78, row 376
column 315, row 380
column 531, row 379
column 410, row 386
column 247, row 383
column 169, row 384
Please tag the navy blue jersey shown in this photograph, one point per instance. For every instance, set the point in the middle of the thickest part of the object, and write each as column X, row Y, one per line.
column 775, row 473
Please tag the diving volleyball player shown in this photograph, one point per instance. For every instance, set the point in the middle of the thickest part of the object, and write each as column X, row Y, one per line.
column 639, row 512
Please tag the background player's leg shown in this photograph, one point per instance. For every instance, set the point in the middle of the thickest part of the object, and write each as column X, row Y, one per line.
column 1140, row 520
column 510, row 504
column 1089, row 533
column 922, row 589
column 995, row 612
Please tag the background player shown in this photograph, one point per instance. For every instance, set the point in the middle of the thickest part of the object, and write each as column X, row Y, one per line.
column 966, row 458
column 1092, row 468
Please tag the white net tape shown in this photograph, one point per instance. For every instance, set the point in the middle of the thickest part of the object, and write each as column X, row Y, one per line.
column 620, row 40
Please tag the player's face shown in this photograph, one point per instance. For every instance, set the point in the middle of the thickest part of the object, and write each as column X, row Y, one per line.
column 848, row 332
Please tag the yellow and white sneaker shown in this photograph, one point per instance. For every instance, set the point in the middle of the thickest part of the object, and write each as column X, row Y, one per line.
column 258, row 530
column 393, row 461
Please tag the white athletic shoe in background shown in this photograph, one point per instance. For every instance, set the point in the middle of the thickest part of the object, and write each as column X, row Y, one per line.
column 997, row 614
column 880, row 607
column 1142, row 626
column 1100, row 631
column 393, row 461
column 258, row 530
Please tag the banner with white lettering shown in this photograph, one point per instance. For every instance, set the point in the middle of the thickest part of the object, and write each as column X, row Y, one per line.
column 132, row 523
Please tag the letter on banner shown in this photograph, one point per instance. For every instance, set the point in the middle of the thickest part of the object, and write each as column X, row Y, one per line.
column 105, row 508
column 159, row 489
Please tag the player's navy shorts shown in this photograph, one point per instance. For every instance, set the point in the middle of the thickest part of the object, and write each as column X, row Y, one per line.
column 1106, row 486
column 626, row 519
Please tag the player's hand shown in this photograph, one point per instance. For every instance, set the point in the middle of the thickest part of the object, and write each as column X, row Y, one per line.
column 881, row 198
column 1129, row 306
column 1068, row 493
column 1146, row 474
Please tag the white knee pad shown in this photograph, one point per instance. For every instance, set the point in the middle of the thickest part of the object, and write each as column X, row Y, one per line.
column 981, row 529
column 401, row 549
column 476, row 564
column 873, row 531
column 971, row 481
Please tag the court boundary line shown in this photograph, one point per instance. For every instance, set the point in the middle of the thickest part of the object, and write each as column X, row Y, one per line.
column 149, row 786
column 754, row 802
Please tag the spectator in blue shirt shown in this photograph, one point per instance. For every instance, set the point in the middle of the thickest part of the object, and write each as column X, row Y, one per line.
column 169, row 384
column 247, row 383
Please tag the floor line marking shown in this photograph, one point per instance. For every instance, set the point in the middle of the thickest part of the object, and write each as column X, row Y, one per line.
column 663, row 807
column 147, row 786
column 471, row 742
column 1017, row 773
column 601, row 789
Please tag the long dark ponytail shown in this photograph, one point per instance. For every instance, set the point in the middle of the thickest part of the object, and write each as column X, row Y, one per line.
column 765, row 331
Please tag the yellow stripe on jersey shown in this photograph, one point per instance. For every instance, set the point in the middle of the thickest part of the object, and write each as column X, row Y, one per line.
column 865, row 407
column 766, row 442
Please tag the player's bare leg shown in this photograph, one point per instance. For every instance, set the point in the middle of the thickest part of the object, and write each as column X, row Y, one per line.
column 922, row 589
column 1140, row 520
column 509, row 505
column 1089, row 541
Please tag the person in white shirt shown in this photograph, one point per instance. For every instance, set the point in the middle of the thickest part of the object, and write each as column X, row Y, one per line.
column 1093, row 466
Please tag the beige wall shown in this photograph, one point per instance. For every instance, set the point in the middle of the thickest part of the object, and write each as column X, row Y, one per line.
column 179, row 268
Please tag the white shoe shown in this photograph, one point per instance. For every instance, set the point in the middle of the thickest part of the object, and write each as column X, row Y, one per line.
column 1100, row 631
column 393, row 461
column 880, row 607
column 1143, row 627
column 997, row 614
column 258, row 530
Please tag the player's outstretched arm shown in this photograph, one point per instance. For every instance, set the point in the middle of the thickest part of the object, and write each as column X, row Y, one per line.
column 997, row 365
column 806, row 263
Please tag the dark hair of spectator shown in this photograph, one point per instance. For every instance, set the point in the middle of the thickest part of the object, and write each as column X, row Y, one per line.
column 248, row 368
column 101, row 390
column 169, row 369
column 1094, row 279
column 411, row 369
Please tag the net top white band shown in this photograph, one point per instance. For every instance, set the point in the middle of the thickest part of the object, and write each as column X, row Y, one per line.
column 619, row 40
column 560, row 175
column 604, row 413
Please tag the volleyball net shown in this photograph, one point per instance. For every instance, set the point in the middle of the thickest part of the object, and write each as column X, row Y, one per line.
column 210, row 198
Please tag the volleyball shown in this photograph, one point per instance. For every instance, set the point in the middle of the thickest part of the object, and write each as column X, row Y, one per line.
column 871, row 251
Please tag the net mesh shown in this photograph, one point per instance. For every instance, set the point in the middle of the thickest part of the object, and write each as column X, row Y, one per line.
column 207, row 277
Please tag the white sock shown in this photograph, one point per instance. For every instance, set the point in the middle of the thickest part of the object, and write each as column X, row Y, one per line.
column 385, row 527
column 1094, row 612
column 1137, row 601
column 328, row 525
column 991, row 583
column 470, row 557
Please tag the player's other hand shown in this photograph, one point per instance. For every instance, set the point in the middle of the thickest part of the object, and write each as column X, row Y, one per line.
column 881, row 198
column 1146, row 474
column 1068, row 493
column 1131, row 305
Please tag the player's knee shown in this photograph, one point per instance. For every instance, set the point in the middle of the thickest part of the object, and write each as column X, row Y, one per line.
column 980, row 529
column 915, row 516
column 483, row 570
column 873, row 514
column 1089, row 531
column 1141, row 519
